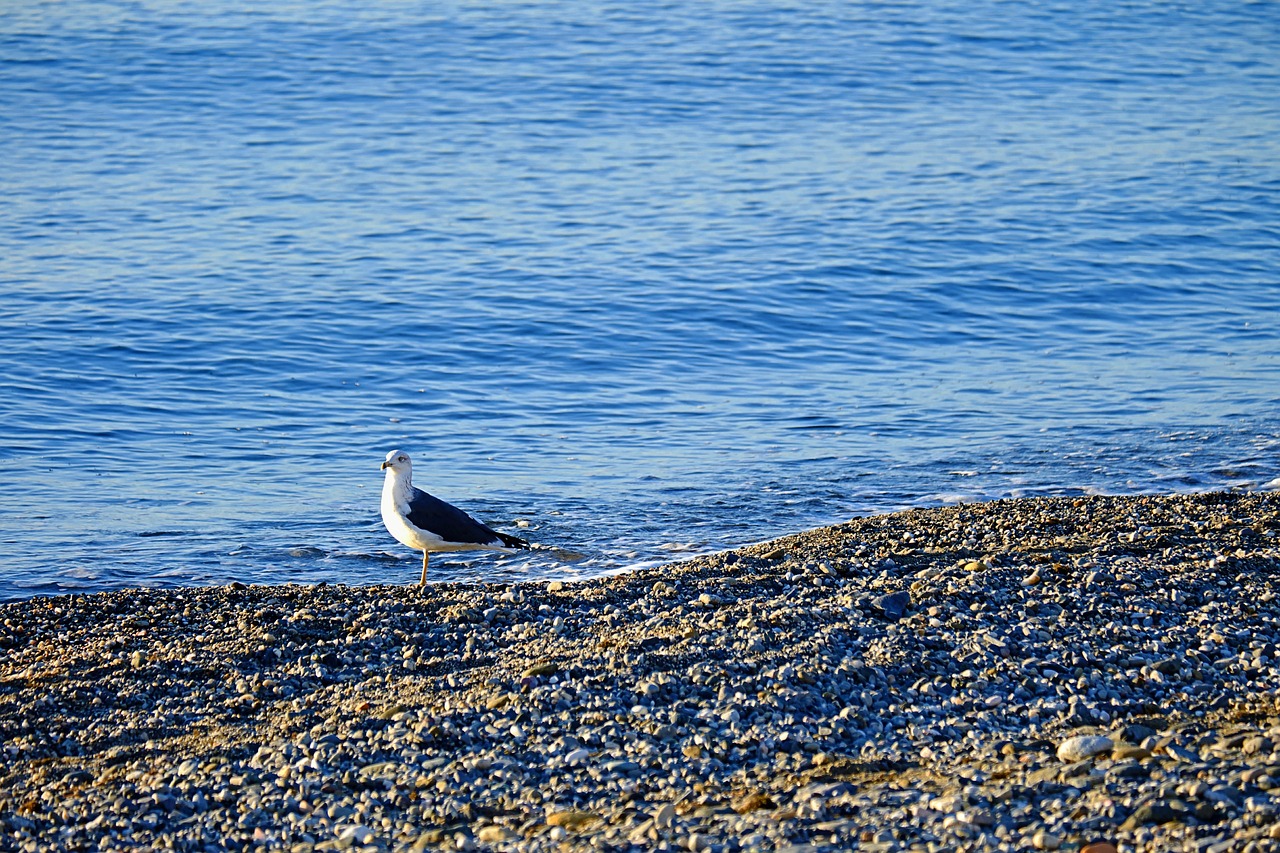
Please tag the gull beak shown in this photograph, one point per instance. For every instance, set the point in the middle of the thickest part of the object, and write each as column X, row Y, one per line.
column 386, row 465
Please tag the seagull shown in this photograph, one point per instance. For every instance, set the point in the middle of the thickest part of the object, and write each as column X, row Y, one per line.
column 426, row 523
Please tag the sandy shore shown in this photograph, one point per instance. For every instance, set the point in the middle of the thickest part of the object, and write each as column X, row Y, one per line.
column 1031, row 674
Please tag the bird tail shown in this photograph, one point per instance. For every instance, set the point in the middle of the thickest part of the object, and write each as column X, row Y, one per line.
column 512, row 541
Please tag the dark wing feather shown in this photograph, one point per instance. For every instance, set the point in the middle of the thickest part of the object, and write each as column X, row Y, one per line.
column 427, row 512
column 511, row 541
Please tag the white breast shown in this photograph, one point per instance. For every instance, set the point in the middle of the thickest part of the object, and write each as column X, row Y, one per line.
column 395, row 511
column 393, row 516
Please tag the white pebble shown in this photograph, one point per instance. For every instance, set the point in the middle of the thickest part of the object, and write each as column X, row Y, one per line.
column 1080, row 747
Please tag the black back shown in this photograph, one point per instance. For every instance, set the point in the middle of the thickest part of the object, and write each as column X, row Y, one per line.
column 427, row 512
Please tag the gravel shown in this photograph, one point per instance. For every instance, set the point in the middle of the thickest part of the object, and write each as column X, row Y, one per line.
column 1028, row 674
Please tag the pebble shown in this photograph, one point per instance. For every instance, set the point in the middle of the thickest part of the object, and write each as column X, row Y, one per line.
column 495, row 835
column 571, row 819
column 893, row 605
column 851, row 687
column 1152, row 813
column 1045, row 841
column 1080, row 747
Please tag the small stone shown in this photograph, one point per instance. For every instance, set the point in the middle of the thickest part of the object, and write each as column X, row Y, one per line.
column 975, row 566
column 571, row 819
column 1099, row 847
column 555, row 586
column 1128, row 750
column 1256, row 745
column 1181, row 753
column 545, row 668
column 754, row 802
column 894, row 605
column 1207, row 813
column 977, row 817
column 664, row 816
column 426, row 841
column 1137, row 733
column 622, row 767
column 1080, row 747
column 379, row 770
column 1127, row 770
column 495, row 835
column 1043, row 840
column 356, row 835
column 697, row 842
column 1150, row 813
column 1043, row 775
column 662, row 590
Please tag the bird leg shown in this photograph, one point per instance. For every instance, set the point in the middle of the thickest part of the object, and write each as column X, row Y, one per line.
column 425, row 555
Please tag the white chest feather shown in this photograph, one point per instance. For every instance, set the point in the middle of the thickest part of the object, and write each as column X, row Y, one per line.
column 395, row 506
column 395, row 512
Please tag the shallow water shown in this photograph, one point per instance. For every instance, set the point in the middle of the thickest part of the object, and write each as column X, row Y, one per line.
column 656, row 279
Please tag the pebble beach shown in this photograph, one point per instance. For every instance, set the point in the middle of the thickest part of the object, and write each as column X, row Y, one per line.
column 1080, row 674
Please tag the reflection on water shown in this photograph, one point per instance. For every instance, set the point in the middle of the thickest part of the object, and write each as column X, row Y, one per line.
column 658, row 280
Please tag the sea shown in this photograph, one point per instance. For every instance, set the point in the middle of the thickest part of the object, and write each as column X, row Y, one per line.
column 635, row 280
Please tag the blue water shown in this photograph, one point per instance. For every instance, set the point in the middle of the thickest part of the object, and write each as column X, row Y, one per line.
column 655, row 278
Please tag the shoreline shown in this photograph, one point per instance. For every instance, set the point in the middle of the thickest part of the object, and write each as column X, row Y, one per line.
column 1033, row 673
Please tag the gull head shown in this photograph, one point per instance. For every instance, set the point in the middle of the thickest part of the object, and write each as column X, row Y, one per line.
column 399, row 462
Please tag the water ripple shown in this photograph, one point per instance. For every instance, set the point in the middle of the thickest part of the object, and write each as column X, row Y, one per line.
column 656, row 279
